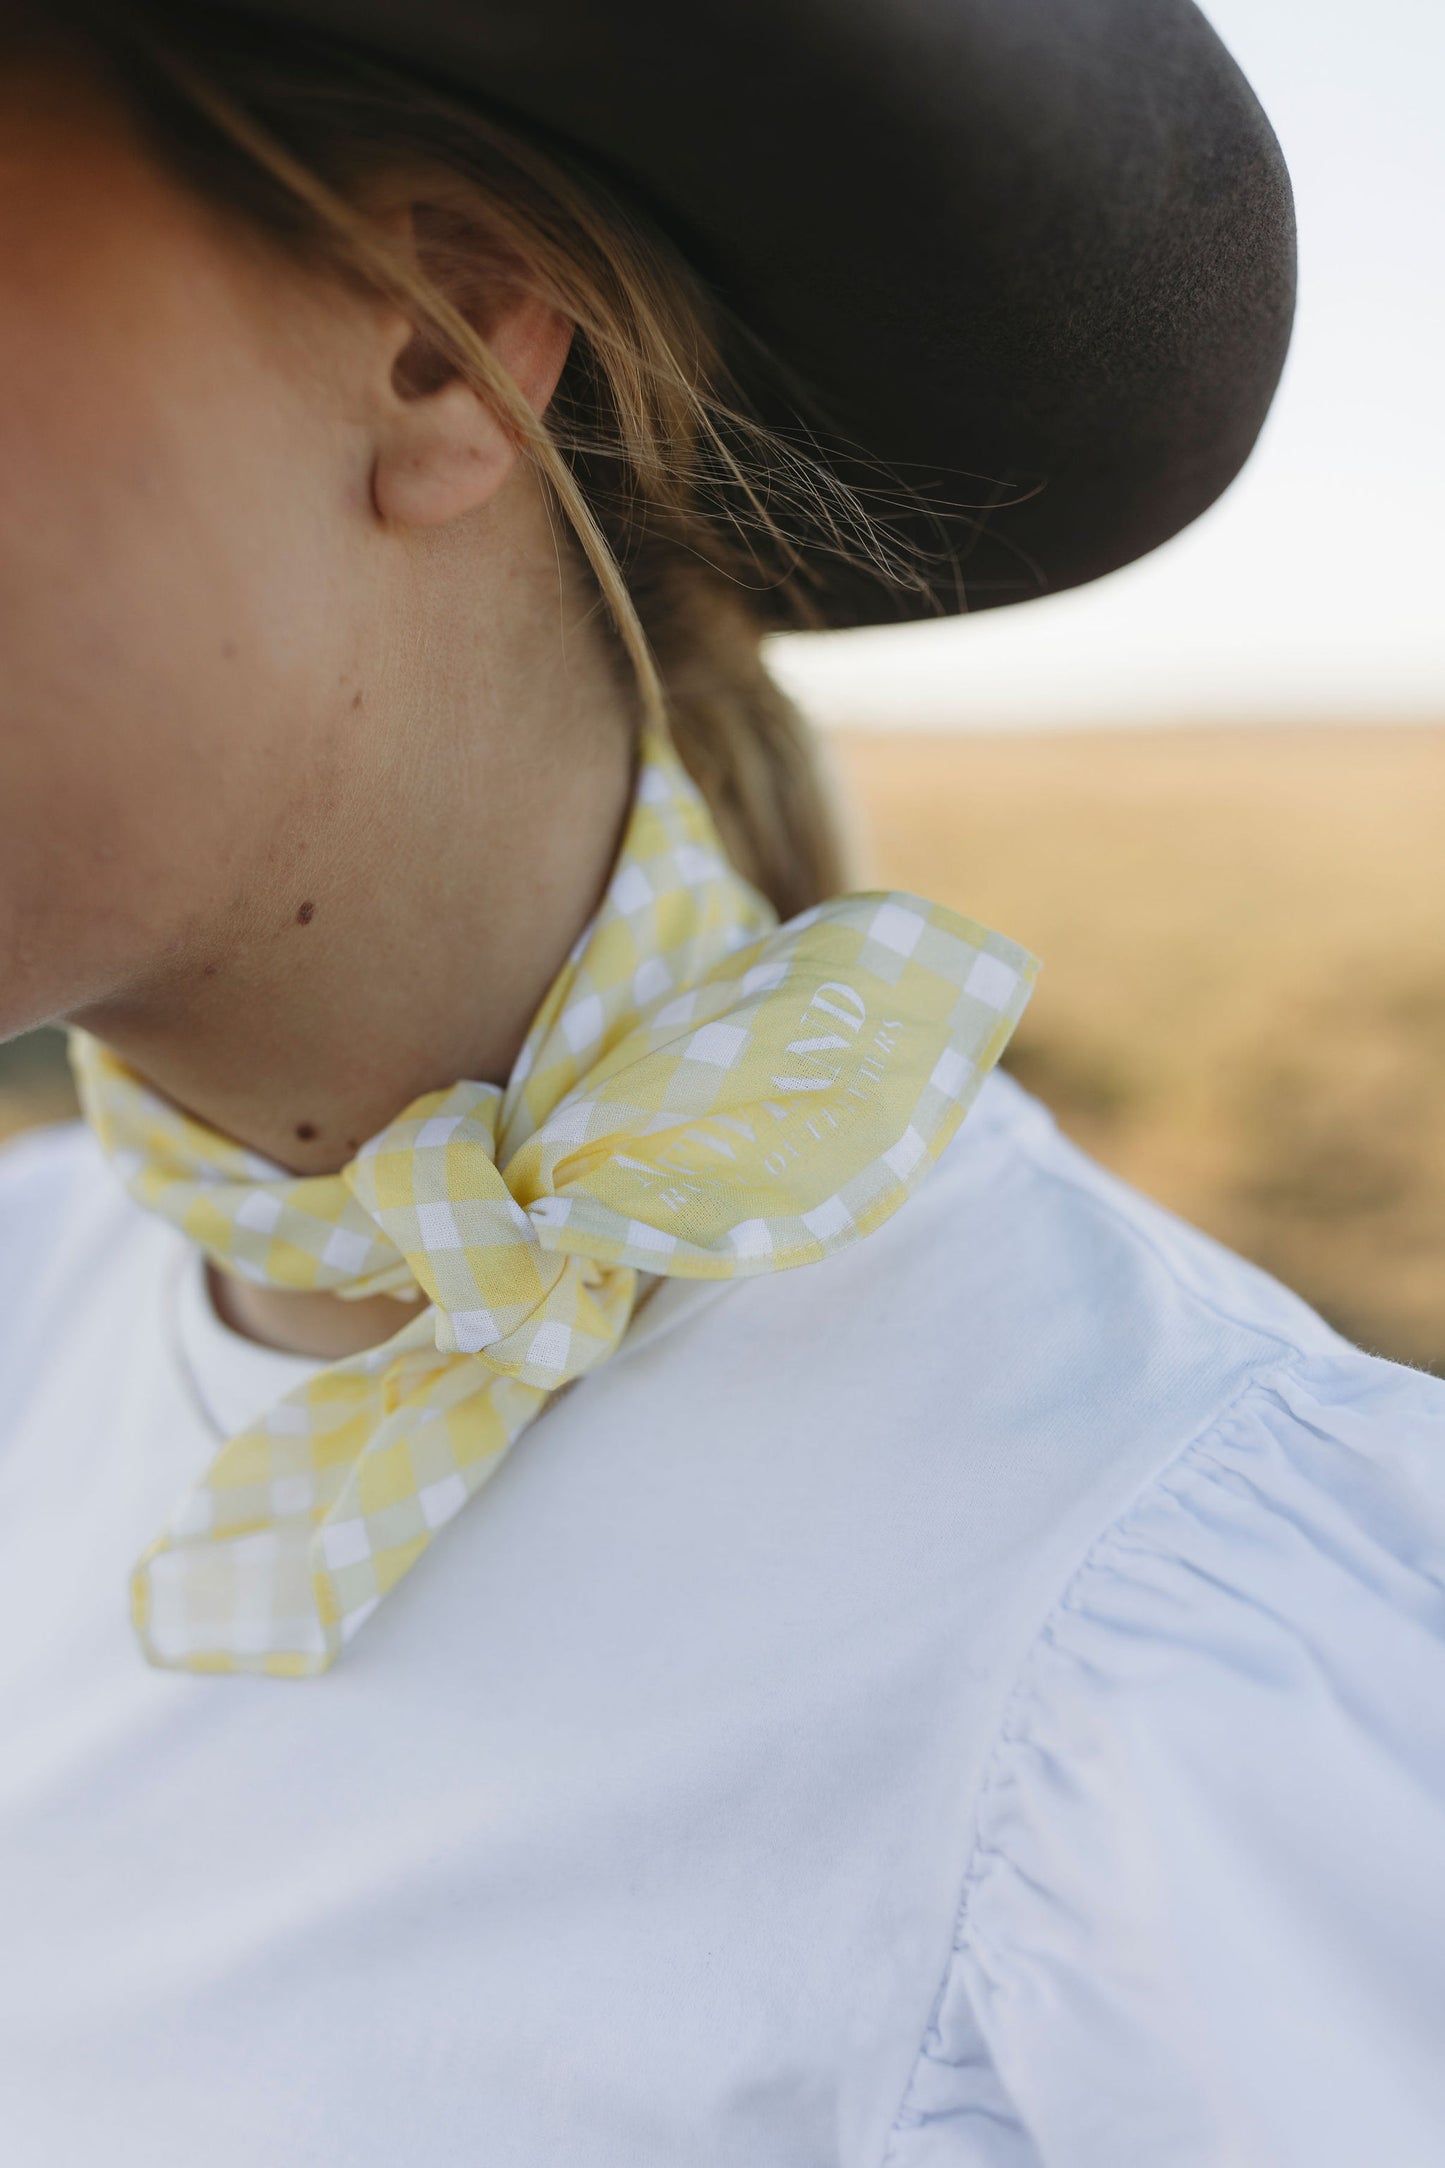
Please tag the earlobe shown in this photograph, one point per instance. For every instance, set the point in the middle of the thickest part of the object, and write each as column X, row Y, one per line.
column 449, row 458
column 441, row 451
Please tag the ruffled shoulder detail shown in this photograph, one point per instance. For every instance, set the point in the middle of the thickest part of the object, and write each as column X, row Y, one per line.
column 1204, row 1918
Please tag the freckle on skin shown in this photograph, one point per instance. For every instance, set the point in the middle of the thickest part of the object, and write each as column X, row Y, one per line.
column 228, row 651
column 306, row 1131
column 305, row 912
column 356, row 703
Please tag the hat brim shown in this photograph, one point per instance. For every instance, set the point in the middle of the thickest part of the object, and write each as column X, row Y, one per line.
column 1025, row 268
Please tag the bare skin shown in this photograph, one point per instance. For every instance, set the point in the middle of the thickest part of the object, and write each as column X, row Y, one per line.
column 313, row 757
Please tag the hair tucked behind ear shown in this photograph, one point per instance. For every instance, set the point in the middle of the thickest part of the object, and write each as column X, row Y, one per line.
column 681, row 502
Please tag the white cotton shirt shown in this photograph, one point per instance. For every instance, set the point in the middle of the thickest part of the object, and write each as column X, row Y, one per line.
column 976, row 1702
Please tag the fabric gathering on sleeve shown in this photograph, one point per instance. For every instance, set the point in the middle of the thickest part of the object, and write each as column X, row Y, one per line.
column 1202, row 1923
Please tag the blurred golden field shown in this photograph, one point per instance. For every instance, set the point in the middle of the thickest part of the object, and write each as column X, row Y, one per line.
column 1242, row 1006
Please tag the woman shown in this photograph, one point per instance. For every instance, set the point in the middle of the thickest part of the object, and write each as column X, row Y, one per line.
column 971, row 1699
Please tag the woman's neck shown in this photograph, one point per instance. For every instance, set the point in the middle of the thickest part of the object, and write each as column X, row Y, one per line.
column 412, row 921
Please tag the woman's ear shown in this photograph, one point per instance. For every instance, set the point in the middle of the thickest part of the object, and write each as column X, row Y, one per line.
column 440, row 451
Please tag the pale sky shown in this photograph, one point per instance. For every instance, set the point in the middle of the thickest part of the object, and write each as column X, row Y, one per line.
column 1312, row 590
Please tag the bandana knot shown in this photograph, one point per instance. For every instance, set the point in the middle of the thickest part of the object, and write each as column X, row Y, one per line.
column 487, row 1262
column 703, row 1093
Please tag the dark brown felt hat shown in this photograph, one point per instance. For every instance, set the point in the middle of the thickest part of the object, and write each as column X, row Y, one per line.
column 1026, row 266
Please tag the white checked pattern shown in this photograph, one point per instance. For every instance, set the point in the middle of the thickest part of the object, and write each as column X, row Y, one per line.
column 702, row 1093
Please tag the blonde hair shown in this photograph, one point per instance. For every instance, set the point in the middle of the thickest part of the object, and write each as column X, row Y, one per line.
column 686, row 508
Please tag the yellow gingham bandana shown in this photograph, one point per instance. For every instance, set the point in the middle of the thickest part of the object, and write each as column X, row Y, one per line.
column 702, row 1093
